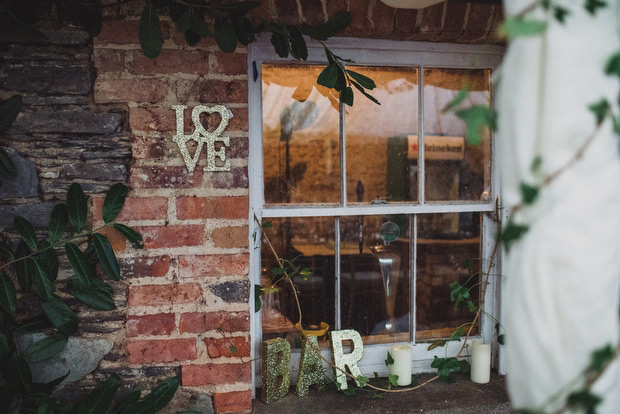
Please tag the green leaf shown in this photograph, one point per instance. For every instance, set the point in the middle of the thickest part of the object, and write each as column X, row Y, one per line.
column 48, row 387
column 456, row 335
column 58, row 223
column 26, row 231
column 77, row 208
column 511, row 233
column 333, row 26
column 366, row 94
column 23, row 269
column 41, row 281
column 225, row 35
column 501, row 339
column 464, row 366
column 20, row 377
column 48, row 260
column 584, row 400
column 592, row 6
column 393, row 379
column 600, row 110
column 364, row 81
column 8, row 294
column 437, row 343
column 151, row 38
column 350, row 392
column 9, row 110
column 514, row 27
column 97, row 296
column 458, row 99
column 127, row 401
column 192, row 21
column 158, row 398
column 278, row 270
column 560, row 13
column 299, row 50
column 476, row 118
column 600, row 358
column 6, row 251
column 79, row 263
column 7, row 168
column 106, row 256
column 363, row 380
column 35, row 324
column 45, row 348
column 60, row 315
column 612, row 67
column 99, row 400
column 257, row 297
column 389, row 361
column 529, row 193
column 329, row 76
column 114, row 201
column 280, row 44
column 346, row 96
column 130, row 234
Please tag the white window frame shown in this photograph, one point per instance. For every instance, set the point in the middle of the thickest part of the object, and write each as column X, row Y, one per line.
column 371, row 52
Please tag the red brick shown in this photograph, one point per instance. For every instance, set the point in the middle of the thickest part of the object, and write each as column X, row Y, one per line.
column 109, row 60
column 158, row 324
column 239, row 148
column 286, row 11
column 165, row 177
column 119, row 32
column 148, row 147
column 231, row 63
column 204, row 43
column 477, row 23
column 130, row 90
column 214, row 265
column 431, row 22
column 235, row 178
column 336, row 6
column 233, row 207
column 134, row 267
column 137, row 208
column 233, row 402
column 156, row 237
column 383, row 17
column 230, row 237
column 360, row 25
column 155, row 295
column 168, row 350
column 172, row 61
column 405, row 22
column 215, row 374
column 235, row 91
column 220, row 347
column 200, row 322
column 312, row 12
column 454, row 22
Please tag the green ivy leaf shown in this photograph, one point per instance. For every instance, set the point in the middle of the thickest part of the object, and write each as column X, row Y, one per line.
column 363, row 380
column 346, row 96
column 21, row 377
column 60, row 315
column 458, row 99
column 456, row 334
column 364, row 81
column 151, row 38
column 127, row 401
column 7, row 168
column 48, row 260
column 612, row 67
column 389, row 361
column 592, row 6
column 600, row 110
column 278, row 270
column 130, row 234
column 114, row 201
column 333, row 26
column 560, row 13
column 9, row 110
column 41, row 281
column 77, row 208
column 192, row 21
column 35, row 324
column 514, row 27
column 23, row 269
column 157, row 399
column 106, row 256
column 329, row 76
column 26, row 231
column 257, row 297
column 8, row 294
column 45, row 348
column 438, row 343
column 280, row 44
column 529, row 193
column 511, row 233
column 366, row 94
column 600, row 357
column 393, row 379
column 225, row 35
column 299, row 50
column 98, row 295
column 58, row 223
column 350, row 392
column 476, row 118
column 99, row 399
column 584, row 400
column 79, row 263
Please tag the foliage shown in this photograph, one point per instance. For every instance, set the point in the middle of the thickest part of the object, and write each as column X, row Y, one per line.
column 446, row 366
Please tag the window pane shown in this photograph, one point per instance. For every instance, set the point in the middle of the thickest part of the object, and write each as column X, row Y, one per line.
column 378, row 165
column 375, row 280
column 309, row 243
column 301, row 153
column 447, row 246
column 454, row 169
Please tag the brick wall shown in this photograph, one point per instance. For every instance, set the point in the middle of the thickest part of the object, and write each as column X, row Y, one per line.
column 100, row 112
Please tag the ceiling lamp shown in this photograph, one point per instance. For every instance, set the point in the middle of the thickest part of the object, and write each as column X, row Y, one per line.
column 410, row 4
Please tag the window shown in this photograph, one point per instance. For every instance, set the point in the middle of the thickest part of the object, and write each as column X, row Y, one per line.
column 386, row 205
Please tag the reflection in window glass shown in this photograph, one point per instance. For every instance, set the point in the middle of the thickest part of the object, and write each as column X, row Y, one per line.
column 375, row 280
column 301, row 152
column 445, row 256
column 454, row 170
column 309, row 243
column 377, row 153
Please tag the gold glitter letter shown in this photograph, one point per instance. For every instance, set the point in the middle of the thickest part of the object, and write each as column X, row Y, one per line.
column 276, row 355
column 343, row 361
column 310, row 367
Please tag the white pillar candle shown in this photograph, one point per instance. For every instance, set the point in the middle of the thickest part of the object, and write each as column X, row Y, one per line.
column 401, row 354
column 480, row 362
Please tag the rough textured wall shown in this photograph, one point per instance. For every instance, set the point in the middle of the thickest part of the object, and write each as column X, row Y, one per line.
column 99, row 112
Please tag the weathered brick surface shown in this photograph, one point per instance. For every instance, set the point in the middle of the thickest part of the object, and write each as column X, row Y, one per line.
column 235, row 178
column 165, row 177
column 167, row 350
column 230, row 63
column 172, row 61
column 137, row 208
column 212, row 207
column 211, row 374
column 213, row 265
column 157, row 295
column 134, row 267
column 156, row 237
column 158, row 324
column 230, row 237
column 200, row 322
column 130, row 90
column 233, row 402
column 221, row 347
column 109, row 60
column 312, row 12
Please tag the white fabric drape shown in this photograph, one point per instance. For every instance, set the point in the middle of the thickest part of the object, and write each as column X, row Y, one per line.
column 562, row 294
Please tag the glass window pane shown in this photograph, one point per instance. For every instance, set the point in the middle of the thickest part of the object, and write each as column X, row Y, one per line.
column 454, row 169
column 309, row 244
column 448, row 251
column 378, row 164
column 375, row 281
column 301, row 153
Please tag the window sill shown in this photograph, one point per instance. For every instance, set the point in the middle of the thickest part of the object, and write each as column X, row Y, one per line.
column 463, row 397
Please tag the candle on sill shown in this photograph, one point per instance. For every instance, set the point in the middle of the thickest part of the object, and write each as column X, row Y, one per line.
column 402, row 356
column 480, row 362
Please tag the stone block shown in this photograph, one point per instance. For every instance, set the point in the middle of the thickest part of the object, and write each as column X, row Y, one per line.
column 26, row 183
column 46, row 78
column 81, row 120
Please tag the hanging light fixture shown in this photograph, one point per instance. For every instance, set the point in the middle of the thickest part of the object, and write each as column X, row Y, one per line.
column 410, row 4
